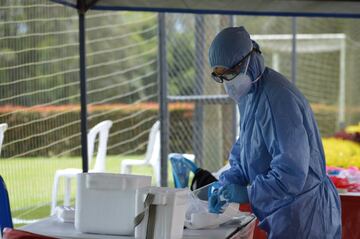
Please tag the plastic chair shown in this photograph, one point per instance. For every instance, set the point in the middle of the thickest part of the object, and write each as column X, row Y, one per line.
column 102, row 129
column 182, row 165
column 3, row 128
column 152, row 155
column 5, row 212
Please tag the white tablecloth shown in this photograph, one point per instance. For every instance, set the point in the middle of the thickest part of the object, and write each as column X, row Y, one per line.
column 52, row 227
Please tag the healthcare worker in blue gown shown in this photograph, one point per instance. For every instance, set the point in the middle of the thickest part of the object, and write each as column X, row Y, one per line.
column 277, row 163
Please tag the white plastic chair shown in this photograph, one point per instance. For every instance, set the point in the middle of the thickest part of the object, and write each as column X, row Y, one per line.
column 3, row 128
column 102, row 129
column 152, row 155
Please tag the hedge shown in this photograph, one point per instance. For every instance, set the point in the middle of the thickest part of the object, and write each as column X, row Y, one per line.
column 55, row 130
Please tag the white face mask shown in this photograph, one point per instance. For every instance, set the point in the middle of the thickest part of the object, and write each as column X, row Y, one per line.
column 239, row 86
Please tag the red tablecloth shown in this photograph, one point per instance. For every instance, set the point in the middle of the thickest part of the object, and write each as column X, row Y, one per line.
column 258, row 233
column 350, row 209
column 350, row 206
column 10, row 233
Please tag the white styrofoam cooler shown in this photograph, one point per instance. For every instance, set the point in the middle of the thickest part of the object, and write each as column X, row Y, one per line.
column 171, row 205
column 105, row 202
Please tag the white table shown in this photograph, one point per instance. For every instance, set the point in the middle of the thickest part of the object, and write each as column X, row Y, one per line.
column 52, row 227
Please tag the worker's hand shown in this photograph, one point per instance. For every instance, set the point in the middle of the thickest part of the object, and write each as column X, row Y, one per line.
column 216, row 202
column 234, row 193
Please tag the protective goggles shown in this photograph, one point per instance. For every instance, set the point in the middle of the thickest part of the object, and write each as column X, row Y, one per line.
column 232, row 72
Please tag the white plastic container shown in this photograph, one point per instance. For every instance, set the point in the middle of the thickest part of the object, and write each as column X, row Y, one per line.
column 170, row 210
column 105, row 202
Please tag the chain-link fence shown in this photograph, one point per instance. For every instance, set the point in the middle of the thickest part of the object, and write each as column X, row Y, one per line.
column 39, row 93
column 39, row 86
column 326, row 52
column 210, row 129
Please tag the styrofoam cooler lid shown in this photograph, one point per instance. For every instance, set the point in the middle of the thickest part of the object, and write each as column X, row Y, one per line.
column 162, row 195
column 111, row 181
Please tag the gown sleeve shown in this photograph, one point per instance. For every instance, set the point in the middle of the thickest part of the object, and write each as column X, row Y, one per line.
column 235, row 174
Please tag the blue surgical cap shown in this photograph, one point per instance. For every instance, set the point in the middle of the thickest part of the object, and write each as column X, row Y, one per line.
column 230, row 46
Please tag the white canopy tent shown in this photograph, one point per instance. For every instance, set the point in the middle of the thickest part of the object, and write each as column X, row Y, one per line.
column 315, row 8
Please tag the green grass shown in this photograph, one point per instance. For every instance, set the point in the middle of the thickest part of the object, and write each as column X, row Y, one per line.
column 29, row 181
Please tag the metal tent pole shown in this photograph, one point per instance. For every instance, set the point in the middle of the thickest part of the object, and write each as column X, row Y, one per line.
column 198, row 128
column 163, row 101
column 83, row 91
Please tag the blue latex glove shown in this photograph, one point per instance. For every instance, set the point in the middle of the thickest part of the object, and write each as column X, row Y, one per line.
column 216, row 201
column 219, row 195
column 234, row 193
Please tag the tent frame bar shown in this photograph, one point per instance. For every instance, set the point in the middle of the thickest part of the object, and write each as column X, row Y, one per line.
column 83, row 92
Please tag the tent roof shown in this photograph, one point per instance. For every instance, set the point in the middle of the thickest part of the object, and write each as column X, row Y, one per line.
column 327, row 8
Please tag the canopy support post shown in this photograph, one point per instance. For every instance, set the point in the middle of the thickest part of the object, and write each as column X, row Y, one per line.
column 163, row 101
column 83, row 92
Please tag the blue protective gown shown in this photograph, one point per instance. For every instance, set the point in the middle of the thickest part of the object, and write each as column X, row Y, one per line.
column 279, row 154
